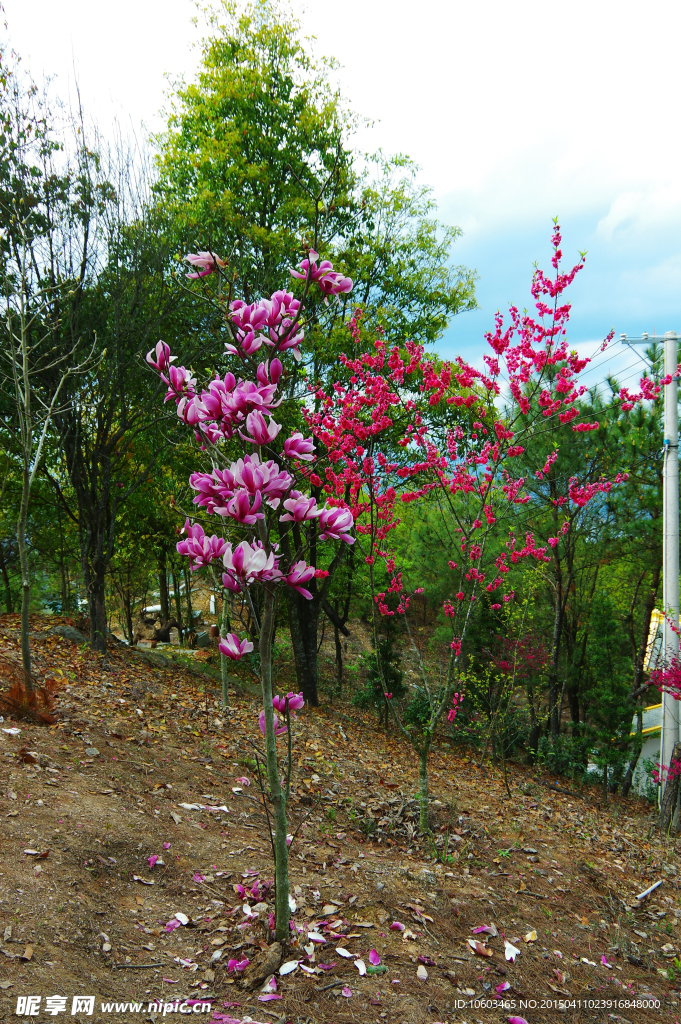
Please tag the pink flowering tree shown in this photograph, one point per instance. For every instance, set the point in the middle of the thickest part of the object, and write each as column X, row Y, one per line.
column 402, row 428
column 259, row 495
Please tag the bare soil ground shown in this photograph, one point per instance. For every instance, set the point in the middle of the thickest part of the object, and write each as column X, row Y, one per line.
column 138, row 738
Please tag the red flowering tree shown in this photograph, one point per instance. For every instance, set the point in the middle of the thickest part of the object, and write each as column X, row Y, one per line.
column 401, row 427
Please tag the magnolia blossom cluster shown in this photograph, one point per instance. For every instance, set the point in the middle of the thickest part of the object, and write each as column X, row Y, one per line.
column 273, row 322
column 263, row 481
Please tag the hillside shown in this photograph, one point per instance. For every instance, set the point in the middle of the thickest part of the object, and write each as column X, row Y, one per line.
column 142, row 762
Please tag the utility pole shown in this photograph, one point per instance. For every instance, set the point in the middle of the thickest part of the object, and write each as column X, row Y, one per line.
column 671, row 716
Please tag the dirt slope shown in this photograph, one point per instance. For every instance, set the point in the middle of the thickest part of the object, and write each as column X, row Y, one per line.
column 138, row 737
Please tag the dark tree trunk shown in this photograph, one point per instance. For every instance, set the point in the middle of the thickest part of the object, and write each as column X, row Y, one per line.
column 178, row 602
column 670, row 796
column 533, row 738
column 339, row 658
column 163, row 587
column 639, row 659
column 188, row 597
column 303, row 623
column 127, row 607
column 5, row 579
column 97, row 603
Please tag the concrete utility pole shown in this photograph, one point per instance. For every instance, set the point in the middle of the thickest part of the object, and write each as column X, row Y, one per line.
column 671, row 710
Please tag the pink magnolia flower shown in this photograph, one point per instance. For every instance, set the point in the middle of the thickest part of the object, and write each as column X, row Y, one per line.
column 248, row 563
column 243, row 780
column 294, row 702
column 330, row 281
column 278, row 729
column 298, row 447
column 300, row 573
column 163, row 356
column 335, row 523
column 207, row 261
column 300, row 509
column 200, row 549
column 240, row 508
column 234, row 648
column 259, row 431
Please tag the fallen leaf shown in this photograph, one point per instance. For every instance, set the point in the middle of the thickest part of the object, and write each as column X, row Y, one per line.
column 6, row 984
column 27, row 954
column 176, row 817
column 144, row 881
column 531, row 936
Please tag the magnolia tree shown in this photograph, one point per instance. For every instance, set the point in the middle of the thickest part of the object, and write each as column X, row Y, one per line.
column 257, row 495
column 457, row 431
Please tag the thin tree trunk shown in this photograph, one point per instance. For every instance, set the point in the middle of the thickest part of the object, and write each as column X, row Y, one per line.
column 188, row 597
column 533, row 738
column 424, row 821
column 25, row 579
column 277, row 796
column 224, row 660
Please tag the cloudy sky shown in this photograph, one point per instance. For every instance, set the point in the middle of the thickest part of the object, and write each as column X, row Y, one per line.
column 516, row 112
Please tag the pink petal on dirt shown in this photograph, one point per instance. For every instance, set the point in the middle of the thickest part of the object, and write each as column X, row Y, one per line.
column 166, row 846
column 198, row 877
column 374, row 958
column 397, row 926
column 345, row 991
column 268, row 997
column 152, row 860
column 516, row 1020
